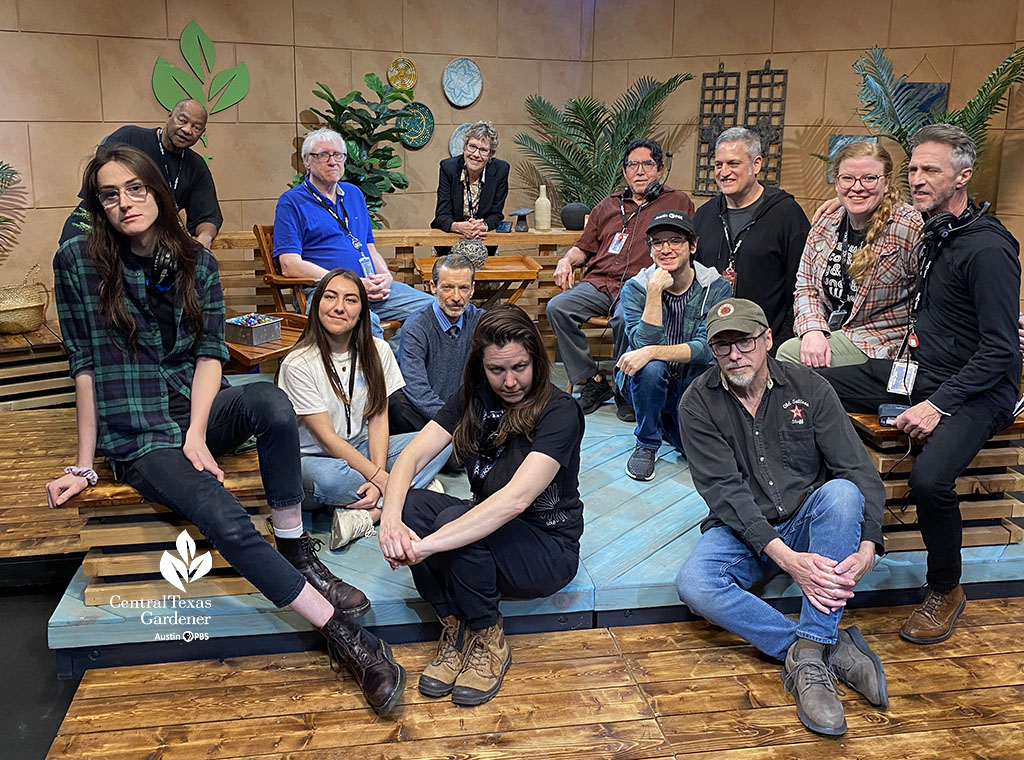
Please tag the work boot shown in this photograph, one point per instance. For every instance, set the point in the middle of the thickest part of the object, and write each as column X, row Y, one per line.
column 368, row 659
column 593, row 393
column 934, row 619
column 853, row 663
column 301, row 552
column 807, row 678
column 439, row 676
column 487, row 660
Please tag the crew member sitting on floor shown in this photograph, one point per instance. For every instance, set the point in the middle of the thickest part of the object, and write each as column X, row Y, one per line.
column 435, row 344
column 338, row 377
column 613, row 249
column 789, row 487
column 519, row 535
column 664, row 308
column 142, row 316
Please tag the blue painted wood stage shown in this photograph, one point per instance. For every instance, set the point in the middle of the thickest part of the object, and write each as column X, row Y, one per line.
column 636, row 536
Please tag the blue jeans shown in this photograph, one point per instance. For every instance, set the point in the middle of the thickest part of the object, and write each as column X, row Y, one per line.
column 713, row 581
column 655, row 391
column 167, row 477
column 331, row 482
column 402, row 303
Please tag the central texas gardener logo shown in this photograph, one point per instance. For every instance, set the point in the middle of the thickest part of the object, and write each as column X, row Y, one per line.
column 178, row 571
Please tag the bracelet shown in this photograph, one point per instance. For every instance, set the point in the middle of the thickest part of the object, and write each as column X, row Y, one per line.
column 375, row 475
column 83, row 472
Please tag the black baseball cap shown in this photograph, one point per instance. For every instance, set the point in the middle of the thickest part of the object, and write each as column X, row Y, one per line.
column 675, row 219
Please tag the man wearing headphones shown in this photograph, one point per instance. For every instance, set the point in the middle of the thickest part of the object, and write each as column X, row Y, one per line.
column 961, row 359
column 613, row 248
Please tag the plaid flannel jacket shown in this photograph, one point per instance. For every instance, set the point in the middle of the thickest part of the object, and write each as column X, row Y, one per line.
column 131, row 389
column 881, row 309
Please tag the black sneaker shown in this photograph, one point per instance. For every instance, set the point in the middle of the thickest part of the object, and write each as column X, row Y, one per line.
column 593, row 393
column 641, row 463
column 623, row 409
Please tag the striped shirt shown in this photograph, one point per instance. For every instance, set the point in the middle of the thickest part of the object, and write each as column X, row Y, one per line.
column 132, row 389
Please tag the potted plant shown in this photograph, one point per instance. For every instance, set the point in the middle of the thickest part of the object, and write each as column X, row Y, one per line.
column 8, row 226
column 579, row 149
column 369, row 130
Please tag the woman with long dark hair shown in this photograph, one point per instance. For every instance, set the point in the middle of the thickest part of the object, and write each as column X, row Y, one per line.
column 519, row 535
column 142, row 315
column 338, row 377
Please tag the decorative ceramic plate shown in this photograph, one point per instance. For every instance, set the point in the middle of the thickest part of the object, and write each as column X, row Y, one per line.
column 419, row 127
column 402, row 74
column 462, row 82
column 455, row 143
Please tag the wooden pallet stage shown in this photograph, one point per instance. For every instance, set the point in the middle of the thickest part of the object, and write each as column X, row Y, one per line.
column 636, row 537
column 657, row 691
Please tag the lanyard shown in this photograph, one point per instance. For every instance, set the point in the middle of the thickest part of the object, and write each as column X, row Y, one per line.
column 167, row 170
column 333, row 212
column 473, row 209
column 347, row 400
column 622, row 212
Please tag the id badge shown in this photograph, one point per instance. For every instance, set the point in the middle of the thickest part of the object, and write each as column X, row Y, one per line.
column 617, row 242
column 837, row 319
column 902, row 377
column 729, row 275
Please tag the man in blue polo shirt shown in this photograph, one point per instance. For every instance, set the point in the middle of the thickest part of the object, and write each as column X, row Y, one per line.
column 323, row 224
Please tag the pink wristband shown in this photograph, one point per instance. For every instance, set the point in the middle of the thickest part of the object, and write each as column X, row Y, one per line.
column 83, row 472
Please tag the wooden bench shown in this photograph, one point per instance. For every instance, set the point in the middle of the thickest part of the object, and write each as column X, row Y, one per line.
column 985, row 501
column 124, row 536
column 34, row 370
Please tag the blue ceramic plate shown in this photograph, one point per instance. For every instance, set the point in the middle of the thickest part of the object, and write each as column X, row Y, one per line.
column 419, row 127
column 462, row 82
column 455, row 143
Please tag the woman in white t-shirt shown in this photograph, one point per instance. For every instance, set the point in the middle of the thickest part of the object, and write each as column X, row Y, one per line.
column 338, row 377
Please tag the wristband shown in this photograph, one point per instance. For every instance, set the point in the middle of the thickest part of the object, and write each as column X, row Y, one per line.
column 83, row 472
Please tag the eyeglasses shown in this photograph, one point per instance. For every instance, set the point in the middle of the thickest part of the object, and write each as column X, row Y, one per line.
column 868, row 181
column 323, row 158
column 745, row 345
column 634, row 165
column 657, row 244
column 478, row 149
column 111, row 197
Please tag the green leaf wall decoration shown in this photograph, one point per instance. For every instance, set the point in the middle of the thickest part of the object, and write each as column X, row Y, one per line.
column 196, row 45
column 235, row 85
column 171, row 84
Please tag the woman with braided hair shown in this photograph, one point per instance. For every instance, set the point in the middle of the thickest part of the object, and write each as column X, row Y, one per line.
column 855, row 278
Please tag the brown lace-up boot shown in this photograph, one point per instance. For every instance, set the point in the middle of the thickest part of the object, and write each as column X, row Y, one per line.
column 368, row 659
column 439, row 676
column 933, row 621
column 301, row 552
column 487, row 661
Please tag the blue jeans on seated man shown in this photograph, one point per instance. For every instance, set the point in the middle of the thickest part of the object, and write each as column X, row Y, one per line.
column 713, row 581
column 402, row 303
column 655, row 391
column 331, row 482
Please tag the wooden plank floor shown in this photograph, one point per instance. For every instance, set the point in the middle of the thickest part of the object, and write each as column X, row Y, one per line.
column 672, row 690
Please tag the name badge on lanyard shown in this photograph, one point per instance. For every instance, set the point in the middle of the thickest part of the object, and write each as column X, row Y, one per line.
column 617, row 242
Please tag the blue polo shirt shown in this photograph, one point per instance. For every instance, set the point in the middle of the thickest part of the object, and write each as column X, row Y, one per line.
column 303, row 226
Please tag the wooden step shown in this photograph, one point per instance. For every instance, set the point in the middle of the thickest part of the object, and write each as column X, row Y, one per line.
column 969, row 510
column 149, row 532
column 982, row 535
column 1002, row 456
column 966, row 485
column 100, row 592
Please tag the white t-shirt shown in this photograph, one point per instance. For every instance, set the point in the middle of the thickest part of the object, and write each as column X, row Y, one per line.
column 304, row 379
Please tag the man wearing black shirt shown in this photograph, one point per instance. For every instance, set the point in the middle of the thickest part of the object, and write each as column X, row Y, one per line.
column 752, row 234
column 170, row 147
column 789, row 487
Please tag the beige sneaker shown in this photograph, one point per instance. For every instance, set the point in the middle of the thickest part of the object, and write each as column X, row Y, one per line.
column 349, row 524
column 435, row 485
column 487, row 661
column 439, row 676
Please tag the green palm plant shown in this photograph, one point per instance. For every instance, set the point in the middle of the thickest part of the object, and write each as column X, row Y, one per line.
column 892, row 108
column 8, row 226
column 579, row 149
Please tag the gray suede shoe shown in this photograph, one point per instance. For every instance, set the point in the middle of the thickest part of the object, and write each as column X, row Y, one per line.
column 808, row 679
column 853, row 663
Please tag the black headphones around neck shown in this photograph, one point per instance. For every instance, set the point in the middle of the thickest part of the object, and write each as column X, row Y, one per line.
column 940, row 227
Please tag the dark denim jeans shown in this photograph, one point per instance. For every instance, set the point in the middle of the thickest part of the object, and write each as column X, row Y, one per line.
column 655, row 391
column 167, row 477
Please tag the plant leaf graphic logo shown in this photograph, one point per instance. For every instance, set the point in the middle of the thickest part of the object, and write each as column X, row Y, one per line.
column 179, row 571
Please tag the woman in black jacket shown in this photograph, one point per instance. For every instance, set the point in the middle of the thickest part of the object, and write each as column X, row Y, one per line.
column 472, row 188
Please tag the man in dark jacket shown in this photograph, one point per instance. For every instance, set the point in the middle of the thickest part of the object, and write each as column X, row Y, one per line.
column 963, row 338
column 754, row 235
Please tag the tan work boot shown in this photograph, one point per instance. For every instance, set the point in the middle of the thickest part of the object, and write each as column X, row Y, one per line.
column 439, row 676
column 487, row 661
column 934, row 619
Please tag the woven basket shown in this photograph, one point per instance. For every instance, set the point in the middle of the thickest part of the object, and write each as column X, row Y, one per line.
column 23, row 308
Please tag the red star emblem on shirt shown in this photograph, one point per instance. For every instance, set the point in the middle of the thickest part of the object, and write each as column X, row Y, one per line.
column 797, row 412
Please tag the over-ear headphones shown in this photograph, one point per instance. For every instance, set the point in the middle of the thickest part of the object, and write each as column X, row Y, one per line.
column 656, row 188
column 944, row 225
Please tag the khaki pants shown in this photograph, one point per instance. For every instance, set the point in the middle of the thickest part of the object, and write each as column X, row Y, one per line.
column 844, row 353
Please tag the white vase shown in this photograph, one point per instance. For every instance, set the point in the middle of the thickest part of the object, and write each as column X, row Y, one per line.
column 542, row 210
